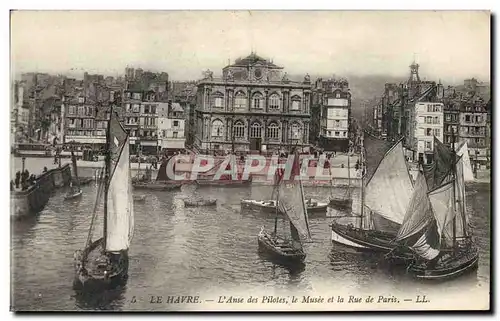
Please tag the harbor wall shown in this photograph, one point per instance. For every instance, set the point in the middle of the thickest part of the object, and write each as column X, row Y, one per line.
column 34, row 199
column 336, row 176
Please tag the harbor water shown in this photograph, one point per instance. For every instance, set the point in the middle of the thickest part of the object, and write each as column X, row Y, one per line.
column 208, row 252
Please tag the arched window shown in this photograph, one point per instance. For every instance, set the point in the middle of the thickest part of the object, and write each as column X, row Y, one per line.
column 295, row 131
column 218, row 100
column 258, row 101
column 240, row 100
column 217, row 129
column 256, row 130
column 296, row 100
column 273, row 131
column 274, row 102
column 239, row 129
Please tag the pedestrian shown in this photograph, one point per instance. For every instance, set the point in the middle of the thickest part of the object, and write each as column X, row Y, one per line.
column 18, row 178
column 11, row 185
column 45, row 169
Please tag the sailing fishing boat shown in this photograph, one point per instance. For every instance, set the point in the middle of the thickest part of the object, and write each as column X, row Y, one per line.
column 74, row 187
column 386, row 190
column 162, row 182
column 344, row 203
column 233, row 179
column 291, row 202
column 104, row 262
column 436, row 230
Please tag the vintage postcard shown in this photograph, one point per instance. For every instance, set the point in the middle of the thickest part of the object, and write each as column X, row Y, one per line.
column 250, row 160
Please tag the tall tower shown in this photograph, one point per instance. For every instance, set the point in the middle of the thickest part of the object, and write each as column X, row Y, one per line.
column 414, row 80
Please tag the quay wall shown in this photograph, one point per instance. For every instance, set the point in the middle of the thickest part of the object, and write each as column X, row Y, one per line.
column 34, row 199
column 336, row 175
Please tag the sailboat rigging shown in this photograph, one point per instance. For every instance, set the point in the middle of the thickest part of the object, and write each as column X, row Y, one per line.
column 290, row 201
column 75, row 190
column 105, row 262
column 386, row 189
column 344, row 203
column 442, row 242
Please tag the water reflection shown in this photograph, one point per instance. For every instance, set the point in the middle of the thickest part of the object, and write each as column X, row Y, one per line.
column 111, row 299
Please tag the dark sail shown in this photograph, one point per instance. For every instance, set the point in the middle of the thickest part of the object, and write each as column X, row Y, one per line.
column 375, row 150
column 162, row 172
column 75, row 170
column 440, row 168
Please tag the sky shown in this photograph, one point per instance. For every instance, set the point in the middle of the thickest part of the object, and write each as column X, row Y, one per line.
column 448, row 45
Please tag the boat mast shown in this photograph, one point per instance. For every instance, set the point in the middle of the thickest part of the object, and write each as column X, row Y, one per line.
column 454, row 177
column 362, row 179
column 276, row 206
column 106, row 177
column 348, row 172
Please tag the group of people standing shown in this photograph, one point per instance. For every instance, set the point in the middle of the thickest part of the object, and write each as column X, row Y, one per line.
column 24, row 180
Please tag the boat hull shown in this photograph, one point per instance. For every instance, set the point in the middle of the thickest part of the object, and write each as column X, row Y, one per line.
column 222, row 183
column 157, row 186
column 276, row 254
column 363, row 240
column 341, row 204
column 141, row 198
column 455, row 269
column 260, row 205
column 191, row 203
column 74, row 195
column 90, row 277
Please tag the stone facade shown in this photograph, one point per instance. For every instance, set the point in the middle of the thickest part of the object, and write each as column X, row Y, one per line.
column 254, row 107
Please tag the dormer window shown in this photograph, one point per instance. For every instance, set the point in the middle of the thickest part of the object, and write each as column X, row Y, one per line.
column 81, row 100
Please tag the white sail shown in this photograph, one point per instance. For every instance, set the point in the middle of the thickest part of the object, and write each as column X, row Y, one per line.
column 291, row 203
column 442, row 207
column 463, row 150
column 390, row 189
column 120, row 206
column 462, row 222
column 424, row 249
column 418, row 214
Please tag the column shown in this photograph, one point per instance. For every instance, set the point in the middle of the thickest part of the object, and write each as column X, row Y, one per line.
column 249, row 93
column 286, row 94
column 266, row 100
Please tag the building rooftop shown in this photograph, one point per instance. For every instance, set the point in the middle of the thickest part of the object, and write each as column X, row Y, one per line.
column 253, row 59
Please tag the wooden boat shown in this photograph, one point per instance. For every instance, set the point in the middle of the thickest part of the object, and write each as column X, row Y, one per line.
column 157, row 186
column 224, row 183
column 386, row 190
column 162, row 182
column 290, row 202
column 199, row 202
column 436, row 230
column 231, row 178
column 344, row 203
column 104, row 263
column 73, row 194
column 139, row 198
column 74, row 188
column 270, row 205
